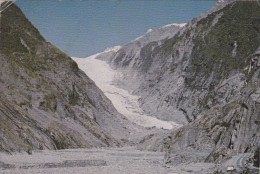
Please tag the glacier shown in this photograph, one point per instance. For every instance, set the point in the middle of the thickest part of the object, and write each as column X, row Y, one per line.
column 127, row 104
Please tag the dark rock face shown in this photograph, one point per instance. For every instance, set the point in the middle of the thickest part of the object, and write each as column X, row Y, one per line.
column 46, row 102
column 208, row 71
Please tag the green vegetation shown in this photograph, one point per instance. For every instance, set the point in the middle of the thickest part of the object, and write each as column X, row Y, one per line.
column 74, row 67
column 179, row 133
column 15, row 26
column 60, row 142
column 168, row 45
column 49, row 103
column 221, row 50
column 22, row 43
column 73, row 96
column 213, row 48
column 247, row 171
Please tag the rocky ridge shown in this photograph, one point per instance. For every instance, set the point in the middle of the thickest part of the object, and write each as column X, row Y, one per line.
column 46, row 101
column 204, row 75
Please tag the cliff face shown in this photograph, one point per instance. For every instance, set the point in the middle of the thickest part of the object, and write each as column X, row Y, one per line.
column 222, row 82
column 210, row 72
column 46, row 102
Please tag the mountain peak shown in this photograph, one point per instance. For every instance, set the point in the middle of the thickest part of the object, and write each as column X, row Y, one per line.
column 174, row 24
column 149, row 30
column 113, row 49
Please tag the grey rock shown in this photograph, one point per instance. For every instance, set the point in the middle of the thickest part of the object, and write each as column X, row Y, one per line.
column 46, row 101
column 206, row 76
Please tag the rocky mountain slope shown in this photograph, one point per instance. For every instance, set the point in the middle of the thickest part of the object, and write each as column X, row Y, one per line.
column 46, row 101
column 138, row 61
column 205, row 75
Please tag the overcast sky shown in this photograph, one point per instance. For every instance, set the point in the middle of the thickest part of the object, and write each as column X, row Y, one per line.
column 84, row 27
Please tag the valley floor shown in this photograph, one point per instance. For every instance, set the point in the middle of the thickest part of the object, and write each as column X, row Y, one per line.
column 97, row 161
column 125, row 160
